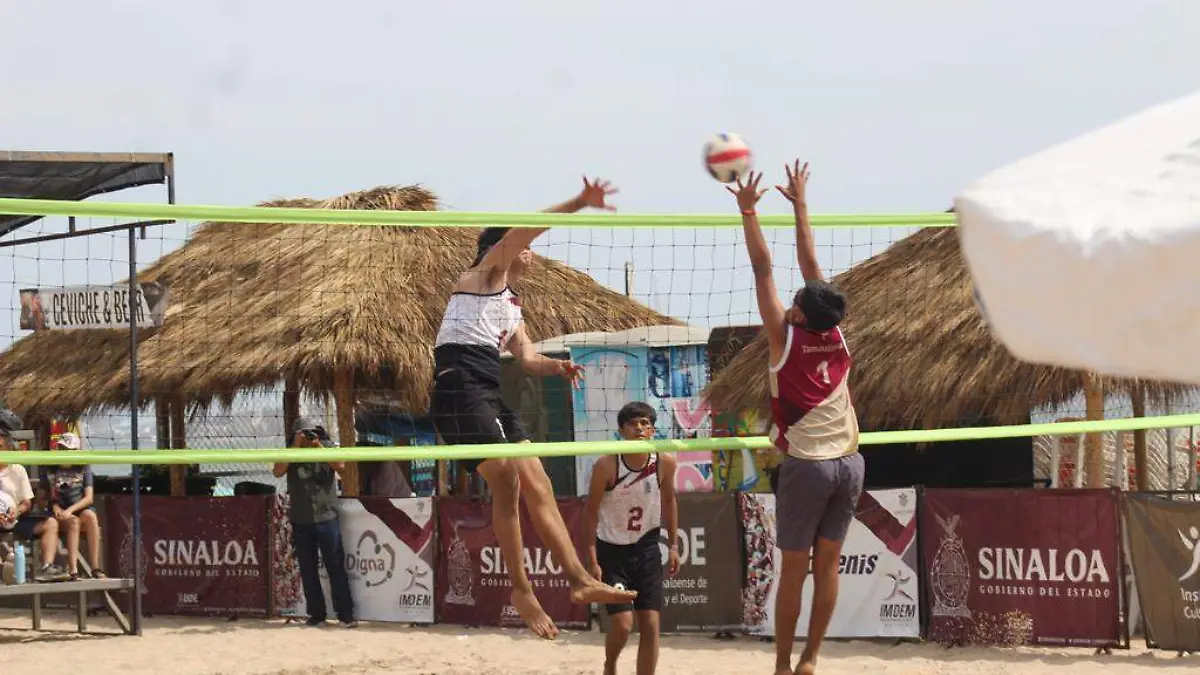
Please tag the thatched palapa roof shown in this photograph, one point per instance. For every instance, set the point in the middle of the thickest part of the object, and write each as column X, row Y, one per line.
column 923, row 356
column 251, row 303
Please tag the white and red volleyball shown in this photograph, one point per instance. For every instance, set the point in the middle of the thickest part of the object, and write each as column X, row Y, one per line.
column 727, row 156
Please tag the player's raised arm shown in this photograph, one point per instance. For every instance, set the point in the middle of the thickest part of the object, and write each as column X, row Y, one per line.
column 515, row 240
column 796, row 192
column 769, row 306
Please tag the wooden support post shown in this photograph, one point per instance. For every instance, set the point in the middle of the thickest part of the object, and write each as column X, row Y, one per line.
column 1097, row 475
column 162, row 423
column 1138, row 403
column 343, row 396
column 179, row 472
column 291, row 405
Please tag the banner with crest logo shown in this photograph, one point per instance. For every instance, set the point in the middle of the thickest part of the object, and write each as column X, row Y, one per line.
column 1022, row 566
column 473, row 587
column 200, row 555
column 389, row 559
column 878, row 584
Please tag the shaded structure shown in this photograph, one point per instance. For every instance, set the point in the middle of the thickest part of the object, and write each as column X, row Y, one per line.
column 331, row 310
column 75, row 176
column 923, row 356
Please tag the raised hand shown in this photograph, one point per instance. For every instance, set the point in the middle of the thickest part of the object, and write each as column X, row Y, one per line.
column 594, row 194
column 747, row 193
column 797, row 183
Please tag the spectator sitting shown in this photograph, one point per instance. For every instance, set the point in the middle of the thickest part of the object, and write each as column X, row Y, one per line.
column 71, row 503
column 14, row 481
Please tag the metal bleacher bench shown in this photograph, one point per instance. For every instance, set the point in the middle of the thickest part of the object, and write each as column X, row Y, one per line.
column 35, row 591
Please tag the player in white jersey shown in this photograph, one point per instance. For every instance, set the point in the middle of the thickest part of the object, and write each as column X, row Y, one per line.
column 482, row 319
column 630, row 500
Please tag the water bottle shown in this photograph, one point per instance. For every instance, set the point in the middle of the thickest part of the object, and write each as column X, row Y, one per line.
column 19, row 564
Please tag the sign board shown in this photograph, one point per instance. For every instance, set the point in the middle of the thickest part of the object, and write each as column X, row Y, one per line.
column 92, row 307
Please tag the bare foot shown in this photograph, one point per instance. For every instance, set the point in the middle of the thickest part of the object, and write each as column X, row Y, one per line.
column 527, row 605
column 783, row 671
column 807, row 665
column 601, row 593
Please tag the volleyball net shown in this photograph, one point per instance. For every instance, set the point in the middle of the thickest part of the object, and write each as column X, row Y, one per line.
column 247, row 318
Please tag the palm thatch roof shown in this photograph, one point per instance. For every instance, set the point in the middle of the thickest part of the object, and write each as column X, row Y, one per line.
column 252, row 303
column 923, row 356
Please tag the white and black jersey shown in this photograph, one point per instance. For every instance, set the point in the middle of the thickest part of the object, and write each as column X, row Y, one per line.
column 465, row 405
column 475, row 329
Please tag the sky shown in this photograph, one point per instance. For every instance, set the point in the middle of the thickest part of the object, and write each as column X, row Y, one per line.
column 502, row 106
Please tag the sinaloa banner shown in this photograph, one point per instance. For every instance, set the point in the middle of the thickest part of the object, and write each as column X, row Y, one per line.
column 80, row 307
column 1164, row 549
column 878, row 586
column 388, row 545
column 472, row 585
column 1022, row 566
column 200, row 555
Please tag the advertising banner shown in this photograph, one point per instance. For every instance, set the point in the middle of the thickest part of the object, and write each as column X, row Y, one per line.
column 200, row 555
column 701, row 597
column 1164, row 548
column 472, row 585
column 878, row 584
column 388, row 544
column 1022, row 566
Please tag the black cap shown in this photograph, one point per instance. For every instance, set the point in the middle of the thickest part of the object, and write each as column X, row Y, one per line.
column 307, row 424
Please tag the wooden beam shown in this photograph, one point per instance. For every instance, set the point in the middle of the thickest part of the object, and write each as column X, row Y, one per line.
column 179, row 472
column 291, row 404
column 343, row 397
column 1097, row 475
column 1140, row 467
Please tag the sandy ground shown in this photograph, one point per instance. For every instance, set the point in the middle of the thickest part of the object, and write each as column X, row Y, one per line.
column 179, row 646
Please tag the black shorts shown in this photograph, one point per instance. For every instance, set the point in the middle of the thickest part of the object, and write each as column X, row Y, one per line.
column 468, row 412
column 637, row 567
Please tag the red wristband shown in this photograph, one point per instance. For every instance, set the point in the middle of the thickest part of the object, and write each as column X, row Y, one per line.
column 749, row 212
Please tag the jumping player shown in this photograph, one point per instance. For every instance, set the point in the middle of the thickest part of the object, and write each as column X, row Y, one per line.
column 482, row 318
column 630, row 498
column 814, row 423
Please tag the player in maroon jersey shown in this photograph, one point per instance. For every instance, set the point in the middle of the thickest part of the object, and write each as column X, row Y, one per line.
column 813, row 423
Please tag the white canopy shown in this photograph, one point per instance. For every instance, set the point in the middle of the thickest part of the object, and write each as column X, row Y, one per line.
column 1087, row 255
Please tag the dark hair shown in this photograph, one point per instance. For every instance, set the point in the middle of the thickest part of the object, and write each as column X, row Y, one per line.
column 633, row 410
column 823, row 305
column 487, row 239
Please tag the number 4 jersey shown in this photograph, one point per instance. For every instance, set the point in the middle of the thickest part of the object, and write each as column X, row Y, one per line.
column 632, row 507
column 810, row 399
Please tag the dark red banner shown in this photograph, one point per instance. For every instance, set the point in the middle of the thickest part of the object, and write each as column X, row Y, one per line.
column 1022, row 566
column 200, row 555
column 471, row 584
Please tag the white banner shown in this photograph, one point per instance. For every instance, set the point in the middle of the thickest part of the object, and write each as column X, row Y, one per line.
column 389, row 560
column 878, row 587
column 82, row 307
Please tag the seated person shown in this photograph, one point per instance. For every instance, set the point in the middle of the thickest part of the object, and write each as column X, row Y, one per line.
column 71, row 504
column 26, row 524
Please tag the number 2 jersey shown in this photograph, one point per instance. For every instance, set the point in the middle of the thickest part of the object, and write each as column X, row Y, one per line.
column 813, row 417
column 632, row 507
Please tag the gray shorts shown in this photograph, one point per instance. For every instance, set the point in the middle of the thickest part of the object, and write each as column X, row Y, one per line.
column 816, row 499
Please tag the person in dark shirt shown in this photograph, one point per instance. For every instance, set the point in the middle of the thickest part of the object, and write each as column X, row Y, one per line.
column 71, row 499
column 316, row 532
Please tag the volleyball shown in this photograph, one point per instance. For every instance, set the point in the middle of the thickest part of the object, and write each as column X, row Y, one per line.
column 727, row 156
column 8, row 510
